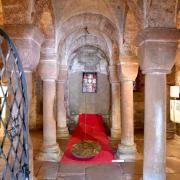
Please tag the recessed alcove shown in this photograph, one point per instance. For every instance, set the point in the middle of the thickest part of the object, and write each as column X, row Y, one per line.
column 87, row 59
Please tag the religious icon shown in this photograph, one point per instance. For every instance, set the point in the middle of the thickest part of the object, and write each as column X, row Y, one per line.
column 89, row 83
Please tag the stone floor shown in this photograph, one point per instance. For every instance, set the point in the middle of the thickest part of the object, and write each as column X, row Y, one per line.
column 114, row 171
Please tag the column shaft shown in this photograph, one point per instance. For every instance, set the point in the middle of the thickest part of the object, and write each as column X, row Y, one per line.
column 115, row 111
column 155, row 127
column 50, row 150
column 62, row 130
column 127, row 149
column 127, row 136
column 49, row 123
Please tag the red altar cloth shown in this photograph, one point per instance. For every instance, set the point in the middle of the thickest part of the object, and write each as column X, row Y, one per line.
column 90, row 126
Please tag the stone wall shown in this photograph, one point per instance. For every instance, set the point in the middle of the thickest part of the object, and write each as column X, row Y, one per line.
column 89, row 103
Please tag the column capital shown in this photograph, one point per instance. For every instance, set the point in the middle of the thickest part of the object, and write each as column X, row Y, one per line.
column 113, row 74
column 28, row 40
column 62, row 76
column 157, row 49
column 48, row 70
column 128, row 68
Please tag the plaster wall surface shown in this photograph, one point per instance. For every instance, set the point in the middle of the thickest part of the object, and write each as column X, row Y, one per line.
column 89, row 103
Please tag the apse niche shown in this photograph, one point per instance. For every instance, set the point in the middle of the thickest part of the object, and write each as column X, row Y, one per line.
column 88, row 60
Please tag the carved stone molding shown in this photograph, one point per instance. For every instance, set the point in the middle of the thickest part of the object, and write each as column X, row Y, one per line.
column 157, row 49
column 28, row 40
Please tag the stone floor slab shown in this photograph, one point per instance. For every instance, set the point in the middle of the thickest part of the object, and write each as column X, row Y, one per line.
column 37, row 166
column 135, row 168
column 48, row 170
column 72, row 169
column 73, row 177
column 104, row 172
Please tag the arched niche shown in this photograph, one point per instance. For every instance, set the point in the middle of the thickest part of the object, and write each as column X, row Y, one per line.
column 87, row 59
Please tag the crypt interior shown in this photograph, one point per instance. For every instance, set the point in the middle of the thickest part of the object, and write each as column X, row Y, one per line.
column 99, row 70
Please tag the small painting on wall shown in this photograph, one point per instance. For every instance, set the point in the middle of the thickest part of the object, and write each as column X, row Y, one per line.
column 89, row 82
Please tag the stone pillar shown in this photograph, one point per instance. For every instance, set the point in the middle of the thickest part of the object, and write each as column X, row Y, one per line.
column 28, row 40
column 157, row 50
column 177, row 78
column 128, row 70
column 62, row 129
column 115, row 102
column 48, row 70
column 170, row 128
column 177, row 64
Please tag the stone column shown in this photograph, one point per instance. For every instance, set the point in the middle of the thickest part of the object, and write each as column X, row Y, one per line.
column 28, row 40
column 177, row 78
column 62, row 129
column 48, row 71
column 128, row 70
column 115, row 102
column 157, row 50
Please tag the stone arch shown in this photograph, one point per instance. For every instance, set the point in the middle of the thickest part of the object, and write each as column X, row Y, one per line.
column 86, row 40
column 95, row 6
column 44, row 17
column 101, row 23
column 72, row 38
column 137, row 9
column 130, row 32
column 76, row 47
column 78, row 56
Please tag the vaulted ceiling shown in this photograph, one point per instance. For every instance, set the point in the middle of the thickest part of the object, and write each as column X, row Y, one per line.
column 110, row 25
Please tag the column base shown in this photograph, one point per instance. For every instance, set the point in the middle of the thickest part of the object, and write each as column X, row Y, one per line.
column 115, row 134
column 62, row 133
column 50, row 153
column 126, row 153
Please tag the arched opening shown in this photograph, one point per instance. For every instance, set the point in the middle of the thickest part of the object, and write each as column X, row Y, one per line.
column 87, row 59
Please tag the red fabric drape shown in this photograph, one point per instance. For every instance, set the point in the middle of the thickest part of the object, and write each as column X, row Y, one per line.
column 90, row 126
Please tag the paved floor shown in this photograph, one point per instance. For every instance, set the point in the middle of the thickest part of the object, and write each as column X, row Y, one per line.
column 114, row 171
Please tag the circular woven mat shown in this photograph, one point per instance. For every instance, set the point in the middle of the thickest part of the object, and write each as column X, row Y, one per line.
column 85, row 149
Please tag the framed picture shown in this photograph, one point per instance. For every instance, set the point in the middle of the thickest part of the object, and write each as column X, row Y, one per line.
column 89, row 82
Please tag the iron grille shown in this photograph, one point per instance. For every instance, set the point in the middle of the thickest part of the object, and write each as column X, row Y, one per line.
column 14, row 159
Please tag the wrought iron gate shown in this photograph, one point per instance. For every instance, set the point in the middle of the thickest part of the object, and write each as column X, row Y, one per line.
column 14, row 159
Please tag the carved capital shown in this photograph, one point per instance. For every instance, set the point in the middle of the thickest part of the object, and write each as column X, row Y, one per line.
column 128, row 68
column 157, row 49
column 113, row 74
column 28, row 40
